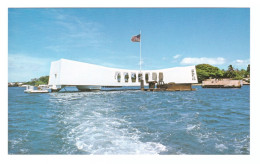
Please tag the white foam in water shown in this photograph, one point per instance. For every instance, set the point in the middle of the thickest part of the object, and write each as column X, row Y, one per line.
column 242, row 145
column 109, row 140
column 191, row 127
column 220, row 147
column 97, row 123
column 99, row 132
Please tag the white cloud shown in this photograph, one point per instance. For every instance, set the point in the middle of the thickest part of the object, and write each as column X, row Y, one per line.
column 203, row 60
column 241, row 63
column 75, row 31
column 176, row 56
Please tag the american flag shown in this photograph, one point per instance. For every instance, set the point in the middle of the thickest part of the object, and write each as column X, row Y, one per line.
column 136, row 38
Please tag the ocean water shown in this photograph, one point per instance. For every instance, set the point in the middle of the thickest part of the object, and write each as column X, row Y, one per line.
column 205, row 121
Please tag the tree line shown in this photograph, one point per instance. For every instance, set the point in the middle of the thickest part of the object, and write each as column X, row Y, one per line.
column 38, row 81
column 207, row 71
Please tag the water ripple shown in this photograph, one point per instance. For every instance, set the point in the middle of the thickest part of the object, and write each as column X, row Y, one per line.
column 130, row 122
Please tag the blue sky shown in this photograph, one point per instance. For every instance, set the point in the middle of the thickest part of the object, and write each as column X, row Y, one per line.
column 171, row 37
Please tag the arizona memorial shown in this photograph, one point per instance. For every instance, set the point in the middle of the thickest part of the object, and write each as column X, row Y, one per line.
column 90, row 77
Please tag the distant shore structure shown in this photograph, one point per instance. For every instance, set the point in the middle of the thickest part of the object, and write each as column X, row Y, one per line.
column 90, row 77
column 222, row 83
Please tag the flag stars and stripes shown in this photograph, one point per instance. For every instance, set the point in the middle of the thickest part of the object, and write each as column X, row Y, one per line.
column 136, row 38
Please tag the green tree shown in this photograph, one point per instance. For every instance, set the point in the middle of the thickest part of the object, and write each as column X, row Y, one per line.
column 44, row 79
column 242, row 73
column 38, row 81
column 230, row 68
column 206, row 71
column 230, row 73
column 248, row 70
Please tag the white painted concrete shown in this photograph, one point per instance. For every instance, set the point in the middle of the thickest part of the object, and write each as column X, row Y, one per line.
column 73, row 73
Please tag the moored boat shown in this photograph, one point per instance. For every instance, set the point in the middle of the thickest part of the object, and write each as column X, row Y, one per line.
column 30, row 89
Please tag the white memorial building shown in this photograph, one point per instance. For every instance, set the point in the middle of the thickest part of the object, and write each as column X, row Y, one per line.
column 87, row 76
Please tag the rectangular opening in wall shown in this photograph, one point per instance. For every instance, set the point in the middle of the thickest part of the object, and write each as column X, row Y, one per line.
column 154, row 76
column 118, row 77
column 126, row 77
column 139, row 77
column 147, row 77
column 160, row 76
column 133, row 77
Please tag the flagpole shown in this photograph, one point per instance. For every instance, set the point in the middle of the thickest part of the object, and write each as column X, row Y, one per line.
column 140, row 52
column 141, row 78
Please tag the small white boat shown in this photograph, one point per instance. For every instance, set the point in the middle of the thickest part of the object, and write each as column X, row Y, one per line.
column 30, row 89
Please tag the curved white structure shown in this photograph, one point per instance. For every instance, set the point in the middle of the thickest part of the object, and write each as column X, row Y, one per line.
column 92, row 77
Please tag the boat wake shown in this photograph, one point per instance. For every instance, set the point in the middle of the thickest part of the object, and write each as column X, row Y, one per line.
column 91, row 129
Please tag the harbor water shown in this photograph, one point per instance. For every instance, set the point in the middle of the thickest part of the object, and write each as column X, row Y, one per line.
column 205, row 121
